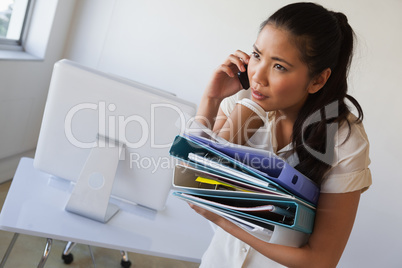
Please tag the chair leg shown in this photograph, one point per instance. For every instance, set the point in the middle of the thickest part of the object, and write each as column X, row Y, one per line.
column 67, row 256
column 125, row 262
column 48, row 247
column 8, row 251
column 92, row 256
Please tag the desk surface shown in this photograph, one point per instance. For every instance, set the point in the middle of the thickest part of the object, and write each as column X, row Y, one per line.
column 35, row 206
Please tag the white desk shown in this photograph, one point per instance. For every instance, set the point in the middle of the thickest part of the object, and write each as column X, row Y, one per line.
column 35, row 206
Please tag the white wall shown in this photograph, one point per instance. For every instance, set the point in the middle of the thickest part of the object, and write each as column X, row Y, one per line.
column 175, row 45
column 24, row 83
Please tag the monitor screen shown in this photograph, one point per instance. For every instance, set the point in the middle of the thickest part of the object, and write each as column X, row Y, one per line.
column 84, row 104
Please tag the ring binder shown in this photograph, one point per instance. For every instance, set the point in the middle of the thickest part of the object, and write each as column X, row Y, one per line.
column 246, row 188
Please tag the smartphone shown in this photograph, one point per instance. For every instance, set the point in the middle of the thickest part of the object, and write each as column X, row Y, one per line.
column 243, row 77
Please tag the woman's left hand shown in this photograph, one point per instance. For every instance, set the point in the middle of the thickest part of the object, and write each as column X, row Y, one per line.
column 215, row 218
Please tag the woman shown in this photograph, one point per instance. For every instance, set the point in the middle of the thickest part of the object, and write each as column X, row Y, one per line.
column 295, row 107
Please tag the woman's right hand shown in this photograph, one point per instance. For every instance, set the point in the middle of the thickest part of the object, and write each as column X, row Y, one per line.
column 224, row 81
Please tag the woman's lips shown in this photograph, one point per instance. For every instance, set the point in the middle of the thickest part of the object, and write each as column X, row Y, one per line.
column 257, row 95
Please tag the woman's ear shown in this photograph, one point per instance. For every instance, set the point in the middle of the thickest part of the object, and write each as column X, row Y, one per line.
column 319, row 81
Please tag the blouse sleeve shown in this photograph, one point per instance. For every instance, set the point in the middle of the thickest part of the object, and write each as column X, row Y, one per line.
column 350, row 171
column 228, row 104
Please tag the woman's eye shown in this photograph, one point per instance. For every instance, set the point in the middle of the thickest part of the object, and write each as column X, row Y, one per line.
column 279, row 67
column 255, row 55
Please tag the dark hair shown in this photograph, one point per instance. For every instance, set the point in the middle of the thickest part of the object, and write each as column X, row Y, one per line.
column 325, row 40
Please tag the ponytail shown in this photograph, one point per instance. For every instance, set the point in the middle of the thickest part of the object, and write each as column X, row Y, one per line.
column 344, row 61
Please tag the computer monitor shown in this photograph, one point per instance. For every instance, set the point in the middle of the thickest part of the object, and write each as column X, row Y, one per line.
column 109, row 135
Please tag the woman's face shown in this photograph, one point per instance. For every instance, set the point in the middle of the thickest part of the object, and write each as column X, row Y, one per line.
column 279, row 80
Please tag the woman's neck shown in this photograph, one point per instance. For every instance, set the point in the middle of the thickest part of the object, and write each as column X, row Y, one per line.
column 283, row 129
column 288, row 116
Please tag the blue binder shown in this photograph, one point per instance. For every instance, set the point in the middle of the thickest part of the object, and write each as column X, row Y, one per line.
column 277, row 172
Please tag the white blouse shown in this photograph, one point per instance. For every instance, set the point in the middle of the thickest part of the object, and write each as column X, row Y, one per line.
column 349, row 173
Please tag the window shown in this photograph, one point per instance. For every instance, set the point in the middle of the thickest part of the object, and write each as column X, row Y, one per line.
column 14, row 17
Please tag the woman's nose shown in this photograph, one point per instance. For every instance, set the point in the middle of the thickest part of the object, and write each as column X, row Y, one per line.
column 260, row 76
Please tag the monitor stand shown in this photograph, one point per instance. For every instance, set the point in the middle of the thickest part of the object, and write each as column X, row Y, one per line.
column 91, row 194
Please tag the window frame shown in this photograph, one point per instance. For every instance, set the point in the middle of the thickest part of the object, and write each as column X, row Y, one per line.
column 19, row 45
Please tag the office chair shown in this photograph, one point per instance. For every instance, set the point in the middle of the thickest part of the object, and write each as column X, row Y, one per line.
column 68, row 258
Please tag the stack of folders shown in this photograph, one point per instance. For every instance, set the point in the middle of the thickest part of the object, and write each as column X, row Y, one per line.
column 253, row 188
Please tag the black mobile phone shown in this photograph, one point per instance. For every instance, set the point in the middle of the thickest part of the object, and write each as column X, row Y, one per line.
column 243, row 77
